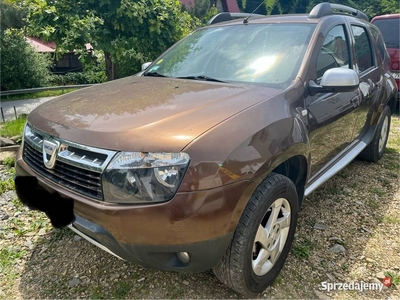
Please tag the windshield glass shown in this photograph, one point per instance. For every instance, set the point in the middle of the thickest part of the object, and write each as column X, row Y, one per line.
column 268, row 54
column 390, row 29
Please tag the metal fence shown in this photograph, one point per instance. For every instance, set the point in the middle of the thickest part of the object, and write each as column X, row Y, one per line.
column 43, row 89
column 35, row 90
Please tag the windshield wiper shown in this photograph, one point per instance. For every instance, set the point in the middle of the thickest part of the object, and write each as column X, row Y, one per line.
column 155, row 74
column 200, row 77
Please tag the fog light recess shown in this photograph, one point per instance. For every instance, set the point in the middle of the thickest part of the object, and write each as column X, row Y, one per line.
column 183, row 257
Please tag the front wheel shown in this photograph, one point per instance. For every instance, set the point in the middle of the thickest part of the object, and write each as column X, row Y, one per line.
column 262, row 238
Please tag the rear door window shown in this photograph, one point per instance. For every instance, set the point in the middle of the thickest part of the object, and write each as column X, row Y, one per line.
column 363, row 48
column 379, row 42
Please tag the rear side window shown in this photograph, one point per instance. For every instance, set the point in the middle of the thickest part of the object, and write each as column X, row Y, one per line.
column 379, row 43
column 363, row 48
column 390, row 29
column 334, row 52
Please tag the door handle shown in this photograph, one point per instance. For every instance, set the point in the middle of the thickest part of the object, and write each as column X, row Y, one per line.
column 355, row 101
column 372, row 86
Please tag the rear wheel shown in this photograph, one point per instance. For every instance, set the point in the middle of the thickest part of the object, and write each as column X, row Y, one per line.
column 262, row 238
column 375, row 149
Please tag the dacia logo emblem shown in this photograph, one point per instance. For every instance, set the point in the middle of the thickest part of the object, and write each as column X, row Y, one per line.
column 50, row 150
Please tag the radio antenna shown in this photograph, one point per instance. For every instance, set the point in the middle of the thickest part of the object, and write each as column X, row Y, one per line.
column 245, row 21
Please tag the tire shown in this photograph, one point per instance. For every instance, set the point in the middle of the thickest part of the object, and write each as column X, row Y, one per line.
column 248, row 267
column 376, row 148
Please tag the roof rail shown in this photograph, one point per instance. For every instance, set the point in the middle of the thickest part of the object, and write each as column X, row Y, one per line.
column 325, row 9
column 226, row 16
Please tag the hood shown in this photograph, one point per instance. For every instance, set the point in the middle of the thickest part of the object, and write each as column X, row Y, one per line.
column 144, row 113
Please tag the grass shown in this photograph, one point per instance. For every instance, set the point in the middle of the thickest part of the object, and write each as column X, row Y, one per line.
column 8, row 258
column 378, row 191
column 57, row 234
column 302, row 249
column 9, row 162
column 18, row 227
column 36, row 95
column 17, row 203
column 122, row 290
column 344, row 267
column 390, row 220
column 394, row 276
column 98, row 294
column 372, row 203
column 13, row 128
column 278, row 280
column 7, row 185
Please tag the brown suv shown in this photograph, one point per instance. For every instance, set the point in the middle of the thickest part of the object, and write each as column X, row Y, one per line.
column 203, row 160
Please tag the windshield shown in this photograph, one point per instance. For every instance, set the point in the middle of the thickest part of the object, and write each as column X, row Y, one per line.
column 390, row 29
column 255, row 53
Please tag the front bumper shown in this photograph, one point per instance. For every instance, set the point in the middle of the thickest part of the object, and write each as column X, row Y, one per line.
column 202, row 256
column 200, row 224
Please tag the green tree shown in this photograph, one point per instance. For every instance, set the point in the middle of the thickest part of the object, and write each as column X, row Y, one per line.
column 250, row 6
column 21, row 66
column 197, row 8
column 11, row 15
column 139, row 29
column 370, row 7
column 200, row 11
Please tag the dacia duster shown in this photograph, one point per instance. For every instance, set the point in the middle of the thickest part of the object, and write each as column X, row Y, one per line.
column 203, row 159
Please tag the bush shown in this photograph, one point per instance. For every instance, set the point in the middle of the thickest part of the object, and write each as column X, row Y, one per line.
column 21, row 66
column 94, row 72
column 70, row 78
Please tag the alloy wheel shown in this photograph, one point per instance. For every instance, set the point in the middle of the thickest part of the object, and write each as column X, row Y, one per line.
column 271, row 236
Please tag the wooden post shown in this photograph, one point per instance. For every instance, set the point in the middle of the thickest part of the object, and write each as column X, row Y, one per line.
column 2, row 115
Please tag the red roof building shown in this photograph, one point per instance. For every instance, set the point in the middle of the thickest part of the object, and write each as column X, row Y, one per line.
column 68, row 62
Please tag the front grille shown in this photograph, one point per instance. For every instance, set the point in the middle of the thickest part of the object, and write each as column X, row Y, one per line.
column 77, row 168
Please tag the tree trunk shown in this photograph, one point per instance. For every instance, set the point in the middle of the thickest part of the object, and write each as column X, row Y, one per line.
column 111, row 67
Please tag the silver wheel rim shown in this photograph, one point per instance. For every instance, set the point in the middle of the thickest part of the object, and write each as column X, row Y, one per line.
column 384, row 133
column 271, row 237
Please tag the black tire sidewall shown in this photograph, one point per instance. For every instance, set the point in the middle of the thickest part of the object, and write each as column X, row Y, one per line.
column 386, row 113
column 283, row 188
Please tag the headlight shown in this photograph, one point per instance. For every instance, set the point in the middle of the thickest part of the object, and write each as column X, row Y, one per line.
column 139, row 177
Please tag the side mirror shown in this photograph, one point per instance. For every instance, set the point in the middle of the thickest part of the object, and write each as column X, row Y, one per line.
column 336, row 80
column 146, row 65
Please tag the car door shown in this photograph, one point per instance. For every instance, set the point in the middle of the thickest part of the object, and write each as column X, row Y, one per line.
column 367, row 66
column 330, row 122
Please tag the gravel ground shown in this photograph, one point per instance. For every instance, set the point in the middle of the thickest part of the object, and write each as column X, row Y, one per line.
column 356, row 214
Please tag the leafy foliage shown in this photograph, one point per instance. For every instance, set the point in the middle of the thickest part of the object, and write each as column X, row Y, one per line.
column 272, row 7
column 198, row 9
column 88, row 76
column 11, row 15
column 140, row 29
column 21, row 66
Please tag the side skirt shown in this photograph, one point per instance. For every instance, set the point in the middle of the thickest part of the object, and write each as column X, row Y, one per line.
column 319, row 179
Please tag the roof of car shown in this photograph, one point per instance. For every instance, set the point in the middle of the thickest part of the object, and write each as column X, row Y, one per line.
column 320, row 11
column 275, row 19
column 388, row 16
column 295, row 18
